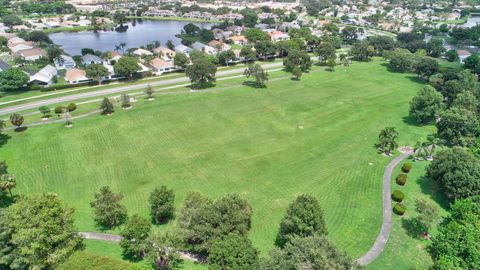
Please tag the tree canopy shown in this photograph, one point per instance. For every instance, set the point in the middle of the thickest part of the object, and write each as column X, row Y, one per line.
column 37, row 232
column 304, row 217
column 12, row 79
column 232, row 252
column 426, row 105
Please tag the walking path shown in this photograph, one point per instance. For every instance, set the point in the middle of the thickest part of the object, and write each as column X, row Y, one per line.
column 117, row 238
column 382, row 237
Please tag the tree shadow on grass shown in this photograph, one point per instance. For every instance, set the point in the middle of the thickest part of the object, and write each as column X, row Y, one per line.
column 201, row 86
column 21, row 129
column 4, row 139
column 431, row 188
column 410, row 120
column 412, row 227
column 253, row 84
column 6, row 201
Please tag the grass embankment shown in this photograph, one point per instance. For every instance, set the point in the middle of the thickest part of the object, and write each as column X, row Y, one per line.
column 314, row 136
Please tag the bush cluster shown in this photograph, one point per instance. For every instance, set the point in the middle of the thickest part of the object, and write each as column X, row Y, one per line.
column 399, row 209
column 401, row 179
column 398, row 196
column 407, row 167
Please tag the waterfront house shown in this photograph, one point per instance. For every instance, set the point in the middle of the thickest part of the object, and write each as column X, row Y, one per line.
column 89, row 59
column 183, row 49
column 31, row 54
column 65, row 62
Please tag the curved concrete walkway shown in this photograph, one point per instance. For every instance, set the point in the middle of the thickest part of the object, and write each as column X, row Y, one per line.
column 382, row 237
column 116, row 238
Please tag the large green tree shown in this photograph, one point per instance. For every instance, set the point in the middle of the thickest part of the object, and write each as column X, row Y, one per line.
column 256, row 71
column 12, row 79
column 325, row 51
column 232, row 252
column 202, row 221
column 201, row 72
column 107, row 208
column 457, row 172
column 134, row 235
column 162, row 204
column 457, row 243
column 126, row 66
column 297, row 58
column 311, row 252
column 181, row 60
column 304, row 217
column 458, row 126
column 97, row 72
column 426, row 105
column 37, row 232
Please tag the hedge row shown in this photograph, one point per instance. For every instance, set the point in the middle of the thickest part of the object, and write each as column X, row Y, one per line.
column 399, row 209
column 397, row 195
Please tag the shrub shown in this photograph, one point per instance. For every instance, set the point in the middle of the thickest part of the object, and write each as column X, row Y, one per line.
column 407, row 167
column 401, row 179
column 72, row 107
column 398, row 196
column 59, row 109
column 399, row 209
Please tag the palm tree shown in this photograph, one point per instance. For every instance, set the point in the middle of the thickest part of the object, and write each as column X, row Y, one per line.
column 122, row 46
column 422, row 150
column 432, row 142
column 387, row 140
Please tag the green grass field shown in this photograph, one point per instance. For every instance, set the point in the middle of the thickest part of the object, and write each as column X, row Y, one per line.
column 314, row 136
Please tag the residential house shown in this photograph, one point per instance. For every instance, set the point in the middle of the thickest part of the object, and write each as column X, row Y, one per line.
column 15, row 40
column 21, row 28
column 221, row 35
column 263, row 16
column 236, row 30
column 111, row 71
column 204, row 48
column 230, row 17
column 166, row 53
column 160, row 66
column 75, row 75
column 3, row 66
column 52, row 24
column 44, row 76
column 20, row 47
column 219, row 46
column 84, row 22
column 141, row 52
column 65, row 62
column 285, row 26
column 239, row 40
column 183, row 49
column 89, row 59
column 278, row 36
column 31, row 54
column 463, row 54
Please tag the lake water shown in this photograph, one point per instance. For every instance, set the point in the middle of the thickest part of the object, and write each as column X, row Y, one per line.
column 139, row 32
column 472, row 21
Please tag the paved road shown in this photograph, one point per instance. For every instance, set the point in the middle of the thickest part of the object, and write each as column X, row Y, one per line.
column 382, row 237
column 117, row 238
column 115, row 90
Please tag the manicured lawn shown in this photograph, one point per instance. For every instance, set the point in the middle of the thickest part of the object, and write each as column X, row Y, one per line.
column 405, row 250
column 314, row 136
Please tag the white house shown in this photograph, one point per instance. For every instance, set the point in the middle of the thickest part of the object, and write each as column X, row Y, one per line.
column 89, row 59
column 44, row 76
column 183, row 49
column 65, row 62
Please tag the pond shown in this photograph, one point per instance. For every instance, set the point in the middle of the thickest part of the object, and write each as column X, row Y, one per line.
column 135, row 34
column 473, row 20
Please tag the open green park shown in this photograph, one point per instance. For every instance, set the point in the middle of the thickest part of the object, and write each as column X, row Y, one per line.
column 269, row 145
